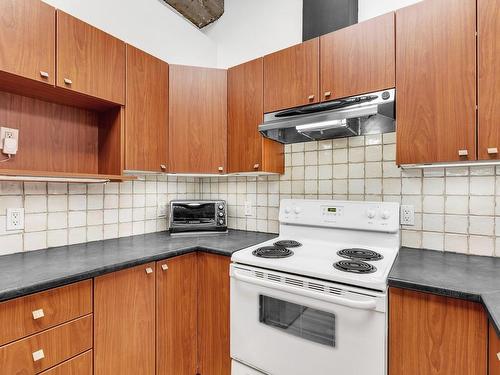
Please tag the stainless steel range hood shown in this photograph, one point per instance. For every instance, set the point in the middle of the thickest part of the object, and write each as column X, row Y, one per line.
column 358, row 115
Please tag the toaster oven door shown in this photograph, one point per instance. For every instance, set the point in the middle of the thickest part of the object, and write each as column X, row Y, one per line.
column 193, row 216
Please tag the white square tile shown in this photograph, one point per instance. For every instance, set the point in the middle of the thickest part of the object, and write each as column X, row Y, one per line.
column 413, row 200
column 434, row 172
column 95, row 189
column 35, row 241
column 125, row 215
column 77, row 188
column 311, row 158
column 340, row 156
column 77, row 219
column 457, row 243
column 373, row 139
column 126, row 187
column 339, row 143
column 311, row 187
column 356, row 186
column 356, row 170
column 457, row 185
column 311, row 172
column 57, row 203
column 457, row 205
column 95, row 202
column 139, row 187
column 57, row 220
column 482, row 185
column 456, row 224
column 95, row 233
column 11, row 244
column 95, row 217
column 77, row 202
column 457, row 171
column 35, row 222
column 111, row 216
column 311, row 146
column 433, row 186
column 125, row 229
column 297, row 188
column 325, row 157
column 432, row 222
column 389, row 152
column 11, row 188
column 298, row 158
column 357, row 155
column 433, row 204
column 126, row 200
column 58, row 237
column 356, row 141
column 112, row 201
column 480, row 245
column 482, row 225
column 340, row 187
column 411, row 238
column 340, row 171
column 112, row 188
column 35, row 188
column 77, row 235
column 35, row 203
column 325, row 187
column 325, row 172
column 411, row 186
column 391, row 186
column 433, row 241
column 482, row 170
column 390, row 169
column 389, row 138
column 297, row 174
column 373, row 170
column 482, row 205
column 373, row 153
column 373, row 186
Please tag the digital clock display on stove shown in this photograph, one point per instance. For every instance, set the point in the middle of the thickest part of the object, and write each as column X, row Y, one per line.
column 332, row 209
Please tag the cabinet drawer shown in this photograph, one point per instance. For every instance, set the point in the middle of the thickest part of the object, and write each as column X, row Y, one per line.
column 24, row 316
column 80, row 365
column 44, row 350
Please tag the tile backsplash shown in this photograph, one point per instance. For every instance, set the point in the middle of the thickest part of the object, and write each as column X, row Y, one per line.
column 457, row 209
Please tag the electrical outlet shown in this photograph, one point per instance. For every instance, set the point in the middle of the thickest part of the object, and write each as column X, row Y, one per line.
column 248, row 208
column 407, row 215
column 9, row 139
column 15, row 219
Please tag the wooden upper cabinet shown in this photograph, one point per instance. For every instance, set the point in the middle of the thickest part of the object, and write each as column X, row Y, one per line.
column 213, row 314
column 245, row 110
column 291, row 76
column 27, row 39
column 436, row 81
column 358, row 59
column 124, row 322
column 89, row 61
column 146, row 111
column 429, row 334
column 176, row 315
column 494, row 352
column 489, row 79
column 197, row 120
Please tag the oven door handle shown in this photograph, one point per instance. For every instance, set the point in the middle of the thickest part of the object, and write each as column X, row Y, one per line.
column 370, row 304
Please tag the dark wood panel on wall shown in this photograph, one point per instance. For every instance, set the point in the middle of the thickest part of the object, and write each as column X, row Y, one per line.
column 52, row 137
column 27, row 39
column 489, row 79
column 320, row 17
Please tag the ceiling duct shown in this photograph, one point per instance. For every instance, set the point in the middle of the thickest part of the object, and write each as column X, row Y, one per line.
column 199, row 12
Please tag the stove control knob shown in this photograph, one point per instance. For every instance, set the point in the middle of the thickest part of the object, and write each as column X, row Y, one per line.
column 298, row 210
column 386, row 215
column 287, row 210
column 370, row 214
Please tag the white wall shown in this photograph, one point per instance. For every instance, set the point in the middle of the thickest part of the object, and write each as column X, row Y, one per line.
column 372, row 8
column 147, row 24
column 251, row 28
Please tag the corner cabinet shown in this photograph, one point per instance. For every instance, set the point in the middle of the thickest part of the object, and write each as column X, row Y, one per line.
column 124, row 322
column 436, row 82
column 89, row 61
column 291, row 76
column 197, row 120
column 494, row 352
column 358, row 59
column 429, row 334
column 488, row 12
column 245, row 113
column 146, row 112
column 27, row 39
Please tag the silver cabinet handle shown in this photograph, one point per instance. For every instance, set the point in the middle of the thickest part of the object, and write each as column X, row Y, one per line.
column 68, row 81
column 149, row 270
column 463, row 152
column 327, row 94
column 164, row 267
column 310, row 97
column 492, row 150
column 221, row 169
column 38, row 355
column 44, row 74
column 256, row 166
column 37, row 314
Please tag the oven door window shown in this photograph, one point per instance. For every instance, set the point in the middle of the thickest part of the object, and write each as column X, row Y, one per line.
column 297, row 320
column 195, row 213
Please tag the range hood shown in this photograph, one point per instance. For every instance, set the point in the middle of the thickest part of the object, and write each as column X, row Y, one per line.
column 357, row 115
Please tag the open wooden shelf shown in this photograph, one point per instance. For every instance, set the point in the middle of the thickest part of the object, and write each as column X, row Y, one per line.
column 23, row 175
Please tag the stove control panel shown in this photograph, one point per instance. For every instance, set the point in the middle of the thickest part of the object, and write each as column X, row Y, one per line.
column 372, row 216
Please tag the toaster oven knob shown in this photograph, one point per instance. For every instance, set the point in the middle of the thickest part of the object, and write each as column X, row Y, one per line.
column 221, row 221
column 221, row 214
column 221, row 207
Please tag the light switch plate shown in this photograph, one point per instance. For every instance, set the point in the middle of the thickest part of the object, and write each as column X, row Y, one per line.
column 248, row 208
column 15, row 219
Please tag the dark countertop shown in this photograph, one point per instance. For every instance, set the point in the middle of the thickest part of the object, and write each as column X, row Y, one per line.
column 469, row 277
column 34, row 271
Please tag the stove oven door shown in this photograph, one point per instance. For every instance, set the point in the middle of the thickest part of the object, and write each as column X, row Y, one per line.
column 289, row 325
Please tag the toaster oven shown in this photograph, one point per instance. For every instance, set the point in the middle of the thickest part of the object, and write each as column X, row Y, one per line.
column 197, row 216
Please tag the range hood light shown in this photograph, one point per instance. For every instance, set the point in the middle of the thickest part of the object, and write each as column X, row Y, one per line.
column 323, row 125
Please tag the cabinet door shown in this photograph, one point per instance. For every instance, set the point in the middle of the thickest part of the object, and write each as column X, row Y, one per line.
column 89, row 61
column 494, row 355
column 213, row 314
column 429, row 334
column 27, row 39
column 358, row 59
column 124, row 322
column 436, row 81
column 197, row 120
column 146, row 110
column 489, row 79
column 291, row 76
column 245, row 113
column 176, row 317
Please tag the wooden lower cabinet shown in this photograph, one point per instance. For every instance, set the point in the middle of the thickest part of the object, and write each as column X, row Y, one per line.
column 124, row 322
column 79, row 365
column 494, row 352
column 213, row 314
column 176, row 315
column 429, row 334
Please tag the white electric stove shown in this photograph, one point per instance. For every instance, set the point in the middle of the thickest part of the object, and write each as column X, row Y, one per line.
column 313, row 300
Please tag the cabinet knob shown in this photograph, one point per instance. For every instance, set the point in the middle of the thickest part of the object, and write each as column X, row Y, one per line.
column 310, row 97
column 44, row 74
column 38, row 355
column 164, row 267
column 328, row 94
column 149, row 270
column 37, row 314
column 221, row 169
column 163, row 166
column 463, row 152
column 256, row 166
column 492, row 150
column 498, row 356
column 68, row 81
